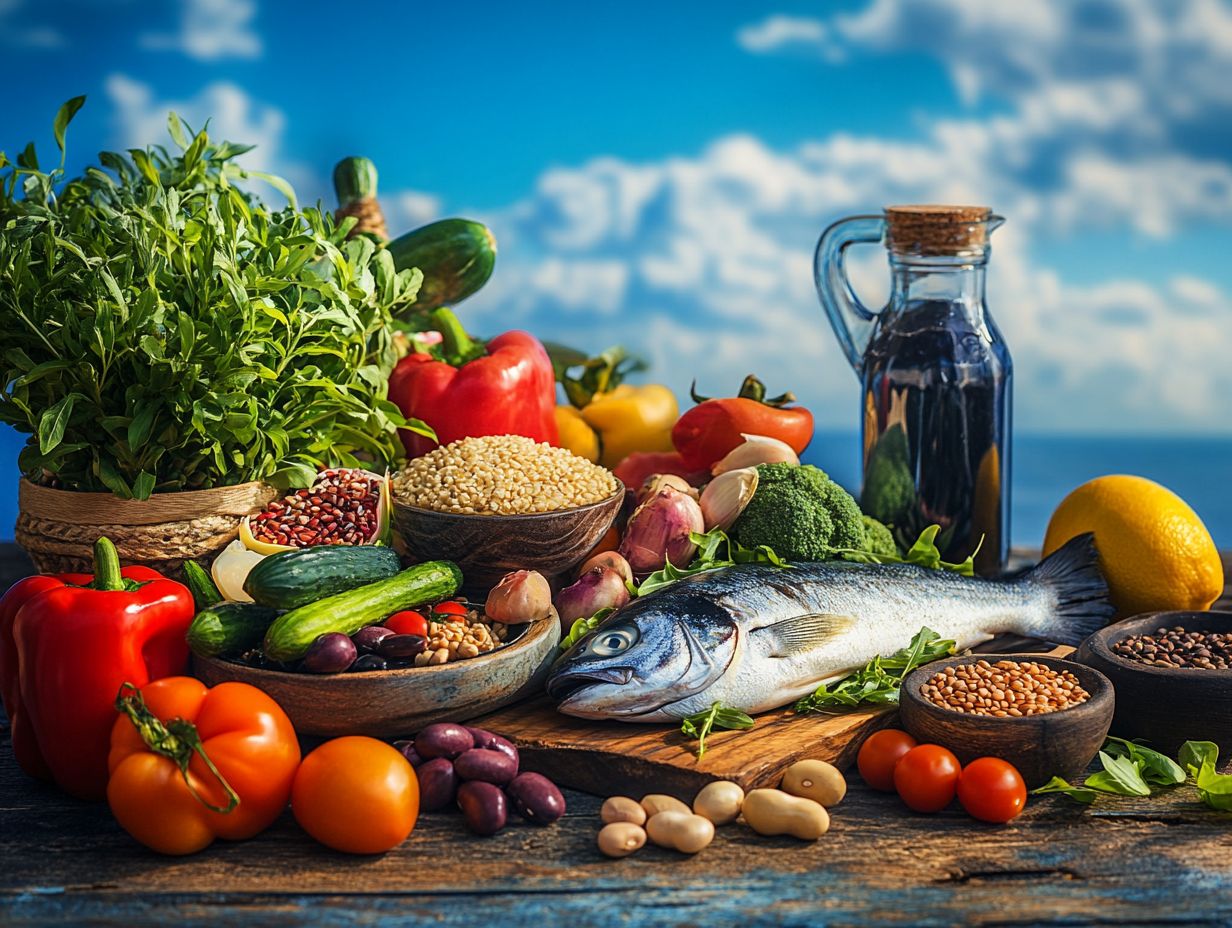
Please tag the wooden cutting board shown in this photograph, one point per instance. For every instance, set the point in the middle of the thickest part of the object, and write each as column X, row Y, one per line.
column 611, row 758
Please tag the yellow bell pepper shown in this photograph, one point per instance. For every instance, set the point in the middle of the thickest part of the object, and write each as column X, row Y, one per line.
column 615, row 424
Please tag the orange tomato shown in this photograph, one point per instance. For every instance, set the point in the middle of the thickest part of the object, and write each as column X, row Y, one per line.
column 245, row 735
column 926, row 777
column 992, row 790
column 879, row 754
column 357, row 795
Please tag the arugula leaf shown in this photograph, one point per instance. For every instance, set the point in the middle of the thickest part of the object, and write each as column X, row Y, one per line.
column 1059, row 785
column 714, row 551
column 1120, row 775
column 878, row 682
column 700, row 724
column 583, row 627
column 924, row 553
column 1156, row 769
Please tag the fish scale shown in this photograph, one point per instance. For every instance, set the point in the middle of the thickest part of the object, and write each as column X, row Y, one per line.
column 756, row 636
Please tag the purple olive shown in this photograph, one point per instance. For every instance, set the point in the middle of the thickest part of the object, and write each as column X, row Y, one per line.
column 493, row 742
column 367, row 639
column 369, row 662
column 536, row 798
column 444, row 739
column 407, row 748
column 332, row 653
column 400, row 647
column 488, row 766
column 438, row 783
column 483, row 807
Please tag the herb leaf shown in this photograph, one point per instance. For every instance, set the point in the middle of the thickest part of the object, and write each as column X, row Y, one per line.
column 924, row 553
column 700, row 724
column 1059, row 785
column 1195, row 754
column 878, row 682
column 1156, row 769
column 714, row 551
column 1120, row 775
column 583, row 627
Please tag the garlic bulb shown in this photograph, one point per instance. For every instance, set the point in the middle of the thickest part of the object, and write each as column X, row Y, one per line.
column 726, row 496
column 757, row 449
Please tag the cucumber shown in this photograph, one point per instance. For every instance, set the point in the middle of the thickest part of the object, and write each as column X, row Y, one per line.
column 293, row 632
column 204, row 591
column 296, row 578
column 229, row 628
column 354, row 180
column 455, row 255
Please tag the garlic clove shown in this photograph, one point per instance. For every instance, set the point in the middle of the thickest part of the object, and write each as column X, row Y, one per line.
column 757, row 449
column 726, row 496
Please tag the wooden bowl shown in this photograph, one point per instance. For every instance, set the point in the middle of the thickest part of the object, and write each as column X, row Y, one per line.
column 1041, row 746
column 487, row 547
column 1165, row 706
column 397, row 703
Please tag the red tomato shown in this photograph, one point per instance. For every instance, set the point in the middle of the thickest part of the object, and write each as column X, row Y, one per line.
column 926, row 777
column 879, row 754
column 446, row 612
column 992, row 790
column 408, row 622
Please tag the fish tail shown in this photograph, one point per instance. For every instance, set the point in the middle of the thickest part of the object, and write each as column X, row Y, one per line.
column 1081, row 605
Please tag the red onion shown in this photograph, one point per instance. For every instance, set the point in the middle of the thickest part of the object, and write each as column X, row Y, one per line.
column 521, row 596
column 598, row 588
column 610, row 559
column 658, row 531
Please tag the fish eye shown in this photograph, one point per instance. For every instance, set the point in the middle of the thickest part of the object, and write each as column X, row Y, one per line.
column 612, row 642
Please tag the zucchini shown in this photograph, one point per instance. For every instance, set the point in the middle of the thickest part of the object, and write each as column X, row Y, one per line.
column 296, row 578
column 456, row 257
column 293, row 632
column 204, row 591
column 355, row 185
column 229, row 628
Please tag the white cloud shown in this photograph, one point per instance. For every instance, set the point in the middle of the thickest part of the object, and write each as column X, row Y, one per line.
column 141, row 119
column 211, row 29
column 779, row 31
column 409, row 209
column 15, row 31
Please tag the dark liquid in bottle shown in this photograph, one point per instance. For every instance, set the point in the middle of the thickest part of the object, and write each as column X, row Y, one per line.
column 936, row 429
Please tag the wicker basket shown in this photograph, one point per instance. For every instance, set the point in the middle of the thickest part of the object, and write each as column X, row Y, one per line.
column 58, row 528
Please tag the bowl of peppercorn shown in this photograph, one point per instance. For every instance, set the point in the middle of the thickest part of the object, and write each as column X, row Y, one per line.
column 1045, row 715
column 1173, row 677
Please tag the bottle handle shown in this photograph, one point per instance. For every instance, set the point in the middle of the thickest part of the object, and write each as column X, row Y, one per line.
column 851, row 319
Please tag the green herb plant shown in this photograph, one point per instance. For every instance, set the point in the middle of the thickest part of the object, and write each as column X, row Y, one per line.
column 879, row 681
column 715, row 550
column 700, row 724
column 924, row 553
column 163, row 330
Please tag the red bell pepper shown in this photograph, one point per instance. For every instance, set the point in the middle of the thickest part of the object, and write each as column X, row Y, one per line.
column 506, row 387
column 67, row 643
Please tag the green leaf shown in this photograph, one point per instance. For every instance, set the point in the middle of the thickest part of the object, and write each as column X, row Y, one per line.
column 879, row 681
column 54, row 422
column 143, row 486
column 63, row 117
column 924, row 553
column 1215, row 788
column 583, row 627
column 1156, row 769
column 1058, row 785
column 700, row 724
column 1120, row 775
column 1194, row 754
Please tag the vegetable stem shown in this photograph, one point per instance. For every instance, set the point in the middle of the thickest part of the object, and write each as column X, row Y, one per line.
column 456, row 345
column 107, row 566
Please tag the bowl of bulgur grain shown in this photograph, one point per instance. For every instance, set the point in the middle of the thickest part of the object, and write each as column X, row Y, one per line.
column 503, row 502
column 1045, row 715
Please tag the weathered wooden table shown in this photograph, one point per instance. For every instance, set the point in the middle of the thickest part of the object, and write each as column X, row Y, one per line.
column 1160, row 860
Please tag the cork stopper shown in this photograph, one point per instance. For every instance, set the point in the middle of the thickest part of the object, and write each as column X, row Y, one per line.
column 937, row 230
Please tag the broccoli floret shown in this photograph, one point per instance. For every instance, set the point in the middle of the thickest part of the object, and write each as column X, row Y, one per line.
column 889, row 488
column 878, row 539
column 799, row 512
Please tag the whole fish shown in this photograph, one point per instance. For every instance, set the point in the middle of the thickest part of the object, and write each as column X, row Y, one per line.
column 756, row 637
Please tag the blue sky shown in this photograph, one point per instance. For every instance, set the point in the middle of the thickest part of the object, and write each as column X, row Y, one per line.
column 657, row 173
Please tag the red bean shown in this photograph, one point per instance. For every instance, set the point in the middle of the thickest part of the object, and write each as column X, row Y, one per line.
column 483, row 807
column 444, row 739
column 488, row 766
column 493, row 742
column 438, row 783
column 536, row 798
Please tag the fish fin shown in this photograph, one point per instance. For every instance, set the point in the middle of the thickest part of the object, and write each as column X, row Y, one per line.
column 1072, row 573
column 804, row 632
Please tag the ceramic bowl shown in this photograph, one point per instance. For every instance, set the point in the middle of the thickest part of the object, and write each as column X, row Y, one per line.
column 396, row 703
column 487, row 547
column 1165, row 706
column 1041, row 746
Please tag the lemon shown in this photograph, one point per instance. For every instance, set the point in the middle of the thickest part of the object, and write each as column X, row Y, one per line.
column 1154, row 550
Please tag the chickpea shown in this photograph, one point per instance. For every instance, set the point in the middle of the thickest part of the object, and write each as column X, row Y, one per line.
column 654, row 803
column 620, row 839
column 719, row 801
column 773, row 812
column 622, row 809
column 680, row 831
column 815, row 780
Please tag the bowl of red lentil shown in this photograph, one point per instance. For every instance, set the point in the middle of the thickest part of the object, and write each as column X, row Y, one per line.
column 1173, row 677
column 503, row 502
column 1045, row 715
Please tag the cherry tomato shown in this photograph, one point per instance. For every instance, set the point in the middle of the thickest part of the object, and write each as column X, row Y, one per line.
column 357, row 795
column 448, row 612
column 408, row 622
column 992, row 790
column 926, row 777
column 878, row 755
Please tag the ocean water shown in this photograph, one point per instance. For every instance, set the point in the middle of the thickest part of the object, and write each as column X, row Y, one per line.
column 1044, row 469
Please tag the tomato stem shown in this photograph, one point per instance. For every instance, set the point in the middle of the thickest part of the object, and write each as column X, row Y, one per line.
column 177, row 740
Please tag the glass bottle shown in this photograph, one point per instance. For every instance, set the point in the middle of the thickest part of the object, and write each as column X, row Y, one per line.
column 935, row 378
